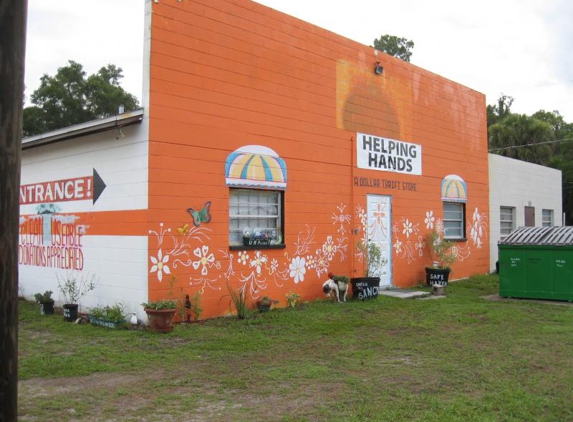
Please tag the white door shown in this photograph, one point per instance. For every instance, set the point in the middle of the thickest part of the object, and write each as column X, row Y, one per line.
column 379, row 231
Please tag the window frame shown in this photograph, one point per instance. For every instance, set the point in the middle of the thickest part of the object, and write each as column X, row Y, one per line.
column 461, row 222
column 501, row 220
column 280, row 217
column 551, row 216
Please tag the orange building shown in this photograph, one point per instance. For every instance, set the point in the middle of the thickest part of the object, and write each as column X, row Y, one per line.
column 269, row 150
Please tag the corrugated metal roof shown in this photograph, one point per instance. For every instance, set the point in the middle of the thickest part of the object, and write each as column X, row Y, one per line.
column 546, row 236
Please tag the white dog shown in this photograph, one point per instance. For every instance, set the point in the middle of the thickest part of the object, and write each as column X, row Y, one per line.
column 338, row 288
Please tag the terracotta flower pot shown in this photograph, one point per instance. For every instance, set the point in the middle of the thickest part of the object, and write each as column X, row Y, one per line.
column 160, row 320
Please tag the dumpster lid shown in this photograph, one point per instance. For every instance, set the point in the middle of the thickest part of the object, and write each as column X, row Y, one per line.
column 547, row 236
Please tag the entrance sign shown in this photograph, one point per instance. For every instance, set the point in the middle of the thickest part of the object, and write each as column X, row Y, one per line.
column 77, row 189
column 385, row 154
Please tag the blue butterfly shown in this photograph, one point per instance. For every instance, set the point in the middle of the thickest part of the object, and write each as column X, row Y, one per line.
column 202, row 216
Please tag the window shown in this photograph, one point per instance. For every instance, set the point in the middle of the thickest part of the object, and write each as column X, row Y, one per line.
column 257, row 215
column 454, row 220
column 506, row 220
column 547, row 218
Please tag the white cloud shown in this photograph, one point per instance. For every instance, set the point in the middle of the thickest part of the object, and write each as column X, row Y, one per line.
column 523, row 49
column 94, row 33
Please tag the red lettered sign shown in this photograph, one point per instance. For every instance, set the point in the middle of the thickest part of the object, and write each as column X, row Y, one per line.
column 77, row 189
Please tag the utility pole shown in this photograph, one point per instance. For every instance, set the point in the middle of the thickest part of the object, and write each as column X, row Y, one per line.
column 12, row 53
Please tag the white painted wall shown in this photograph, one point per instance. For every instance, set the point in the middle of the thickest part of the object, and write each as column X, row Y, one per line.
column 118, row 261
column 122, row 164
column 515, row 183
column 119, row 264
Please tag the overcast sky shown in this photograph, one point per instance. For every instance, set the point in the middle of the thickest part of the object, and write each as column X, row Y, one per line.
column 522, row 48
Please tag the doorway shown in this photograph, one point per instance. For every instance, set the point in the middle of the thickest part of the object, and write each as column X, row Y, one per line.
column 529, row 216
column 379, row 231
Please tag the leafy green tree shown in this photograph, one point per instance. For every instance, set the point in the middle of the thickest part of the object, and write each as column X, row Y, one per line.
column 563, row 131
column 563, row 160
column 522, row 137
column 69, row 98
column 553, row 118
column 395, row 46
column 500, row 110
column 543, row 138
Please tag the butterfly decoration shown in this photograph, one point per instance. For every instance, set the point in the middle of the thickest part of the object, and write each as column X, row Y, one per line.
column 183, row 230
column 202, row 216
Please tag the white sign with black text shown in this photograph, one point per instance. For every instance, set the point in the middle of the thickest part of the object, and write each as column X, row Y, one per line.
column 384, row 154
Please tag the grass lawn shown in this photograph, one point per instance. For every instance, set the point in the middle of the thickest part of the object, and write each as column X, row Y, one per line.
column 462, row 358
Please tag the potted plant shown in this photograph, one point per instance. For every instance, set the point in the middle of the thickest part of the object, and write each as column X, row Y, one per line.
column 367, row 287
column 108, row 316
column 443, row 255
column 256, row 237
column 73, row 287
column 46, row 302
column 264, row 304
column 160, row 314
column 293, row 299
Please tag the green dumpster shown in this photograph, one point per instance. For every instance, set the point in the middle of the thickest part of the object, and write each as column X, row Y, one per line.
column 537, row 263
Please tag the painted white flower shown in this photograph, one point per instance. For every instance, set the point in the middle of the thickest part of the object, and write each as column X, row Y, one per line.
column 477, row 229
column 440, row 226
column 476, row 234
column 429, row 220
column 258, row 261
column 274, row 266
column 243, row 257
column 408, row 229
column 160, row 265
column 476, row 216
column 297, row 269
column 310, row 262
column 362, row 216
column 420, row 245
column 204, row 259
column 341, row 218
column 321, row 262
column 454, row 251
column 329, row 248
column 398, row 246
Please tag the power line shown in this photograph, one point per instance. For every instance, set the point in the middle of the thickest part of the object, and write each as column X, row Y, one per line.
column 529, row 145
column 567, row 82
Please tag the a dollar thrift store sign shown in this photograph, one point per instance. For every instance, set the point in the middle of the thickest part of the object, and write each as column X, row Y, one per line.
column 384, row 154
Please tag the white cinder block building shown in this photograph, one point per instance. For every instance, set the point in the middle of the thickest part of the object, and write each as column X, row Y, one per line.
column 521, row 194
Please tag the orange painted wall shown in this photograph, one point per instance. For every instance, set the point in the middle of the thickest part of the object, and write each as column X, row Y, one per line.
column 230, row 73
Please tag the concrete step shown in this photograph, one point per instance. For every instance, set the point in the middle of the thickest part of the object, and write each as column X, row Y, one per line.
column 404, row 294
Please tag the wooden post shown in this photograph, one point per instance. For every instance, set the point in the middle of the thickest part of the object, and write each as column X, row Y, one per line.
column 12, row 53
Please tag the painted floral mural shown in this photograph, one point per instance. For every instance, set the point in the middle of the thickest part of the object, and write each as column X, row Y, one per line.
column 191, row 247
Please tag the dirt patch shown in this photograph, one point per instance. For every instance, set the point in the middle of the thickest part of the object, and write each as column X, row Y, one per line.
column 42, row 387
column 165, row 396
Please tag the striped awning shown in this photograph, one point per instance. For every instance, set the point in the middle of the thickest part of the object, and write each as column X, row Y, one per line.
column 454, row 189
column 255, row 166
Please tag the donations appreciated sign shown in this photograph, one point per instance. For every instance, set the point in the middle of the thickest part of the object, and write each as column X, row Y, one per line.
column 384, row 154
